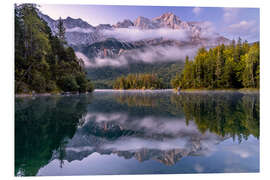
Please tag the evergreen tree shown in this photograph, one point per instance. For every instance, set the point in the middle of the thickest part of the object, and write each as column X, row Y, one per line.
column 138, row 81
column 232, row 66
column 42, row 62
column 61, row 31
column 220, row 67
column 251, row 71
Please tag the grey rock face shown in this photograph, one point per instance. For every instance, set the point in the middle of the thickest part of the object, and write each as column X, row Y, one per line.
column 87, row 38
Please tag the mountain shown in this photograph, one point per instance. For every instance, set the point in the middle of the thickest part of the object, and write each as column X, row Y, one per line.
column 111, row 47
column 169, row 20
column 80, row 34
column 144, row 45
column 92, row 34
column 145, row 23
column 72, row 23
column 124, row 24
column 109, row 134
column 77, row 30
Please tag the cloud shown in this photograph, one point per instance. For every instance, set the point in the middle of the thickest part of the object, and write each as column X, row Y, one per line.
column 84, row 58
column 79, row 149
column 198, row 168
column 135, row 144
column 184, row 143
column 244, row 150
column 101, row 62
column 209, row 30
column 230, row 14
column 78, row 29
column 245, row 29
column 197, row 10
column 173, row 127
column 145, row 55
column 152, row 54
column 135, row 34
column 243, row 26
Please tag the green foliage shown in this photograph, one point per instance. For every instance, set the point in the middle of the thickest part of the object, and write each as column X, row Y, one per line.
column 229, row 114
column 104, row 77
column 38, row 82
column 232, row 66
column 68, row 83
column 175, row 82
column 43, row 62
column 84, row 84
column 138, row 81
column 61, row 31
column 251, row 74
column 42, row 126
column 225, row 114
column 90, row 86
column 51, row 86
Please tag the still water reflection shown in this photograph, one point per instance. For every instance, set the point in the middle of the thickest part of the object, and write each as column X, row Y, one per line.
column 150, row 132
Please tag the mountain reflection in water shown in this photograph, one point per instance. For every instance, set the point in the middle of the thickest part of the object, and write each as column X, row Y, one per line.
column 157, row 127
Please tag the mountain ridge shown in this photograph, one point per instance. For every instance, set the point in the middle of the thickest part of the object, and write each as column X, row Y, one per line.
column 92, row 34
column 149, row 45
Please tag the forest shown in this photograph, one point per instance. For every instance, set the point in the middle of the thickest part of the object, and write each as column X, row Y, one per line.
column 104, row 77
column 139, row 81
column 43, row 61
column 233, row 66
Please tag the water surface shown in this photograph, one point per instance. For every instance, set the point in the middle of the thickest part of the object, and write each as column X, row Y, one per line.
column 137, row 132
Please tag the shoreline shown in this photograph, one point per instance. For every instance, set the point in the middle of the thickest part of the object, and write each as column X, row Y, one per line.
column 49, row 94
column 33, row 95
column 142, row 90
column 243, row 90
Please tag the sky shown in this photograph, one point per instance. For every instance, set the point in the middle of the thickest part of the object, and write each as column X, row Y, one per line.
column 229, row 22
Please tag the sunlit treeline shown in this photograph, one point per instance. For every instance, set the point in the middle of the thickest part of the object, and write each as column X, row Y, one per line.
column 234, row 66
column 138, row 81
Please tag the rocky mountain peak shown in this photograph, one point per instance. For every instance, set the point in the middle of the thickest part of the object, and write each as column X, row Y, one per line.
column 124, row 24
column 79, row 32
column 168, row 20
column 145, row 23
column 168, row 15
column 72, row 23
column 103, row 26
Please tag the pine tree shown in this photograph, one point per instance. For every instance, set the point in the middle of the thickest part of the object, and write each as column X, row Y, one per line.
column 222, row 67
column 219, row 67
column 61, row 31
column 251, row 71
column 42, row 62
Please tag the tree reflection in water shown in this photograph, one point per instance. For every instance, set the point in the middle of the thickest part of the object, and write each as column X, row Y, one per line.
column 160, row 126
column 42, row 126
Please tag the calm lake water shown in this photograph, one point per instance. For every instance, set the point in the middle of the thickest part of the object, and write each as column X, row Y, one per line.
column 137, row 132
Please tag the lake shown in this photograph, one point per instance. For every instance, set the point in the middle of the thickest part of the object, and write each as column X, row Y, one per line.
column 137, row 132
